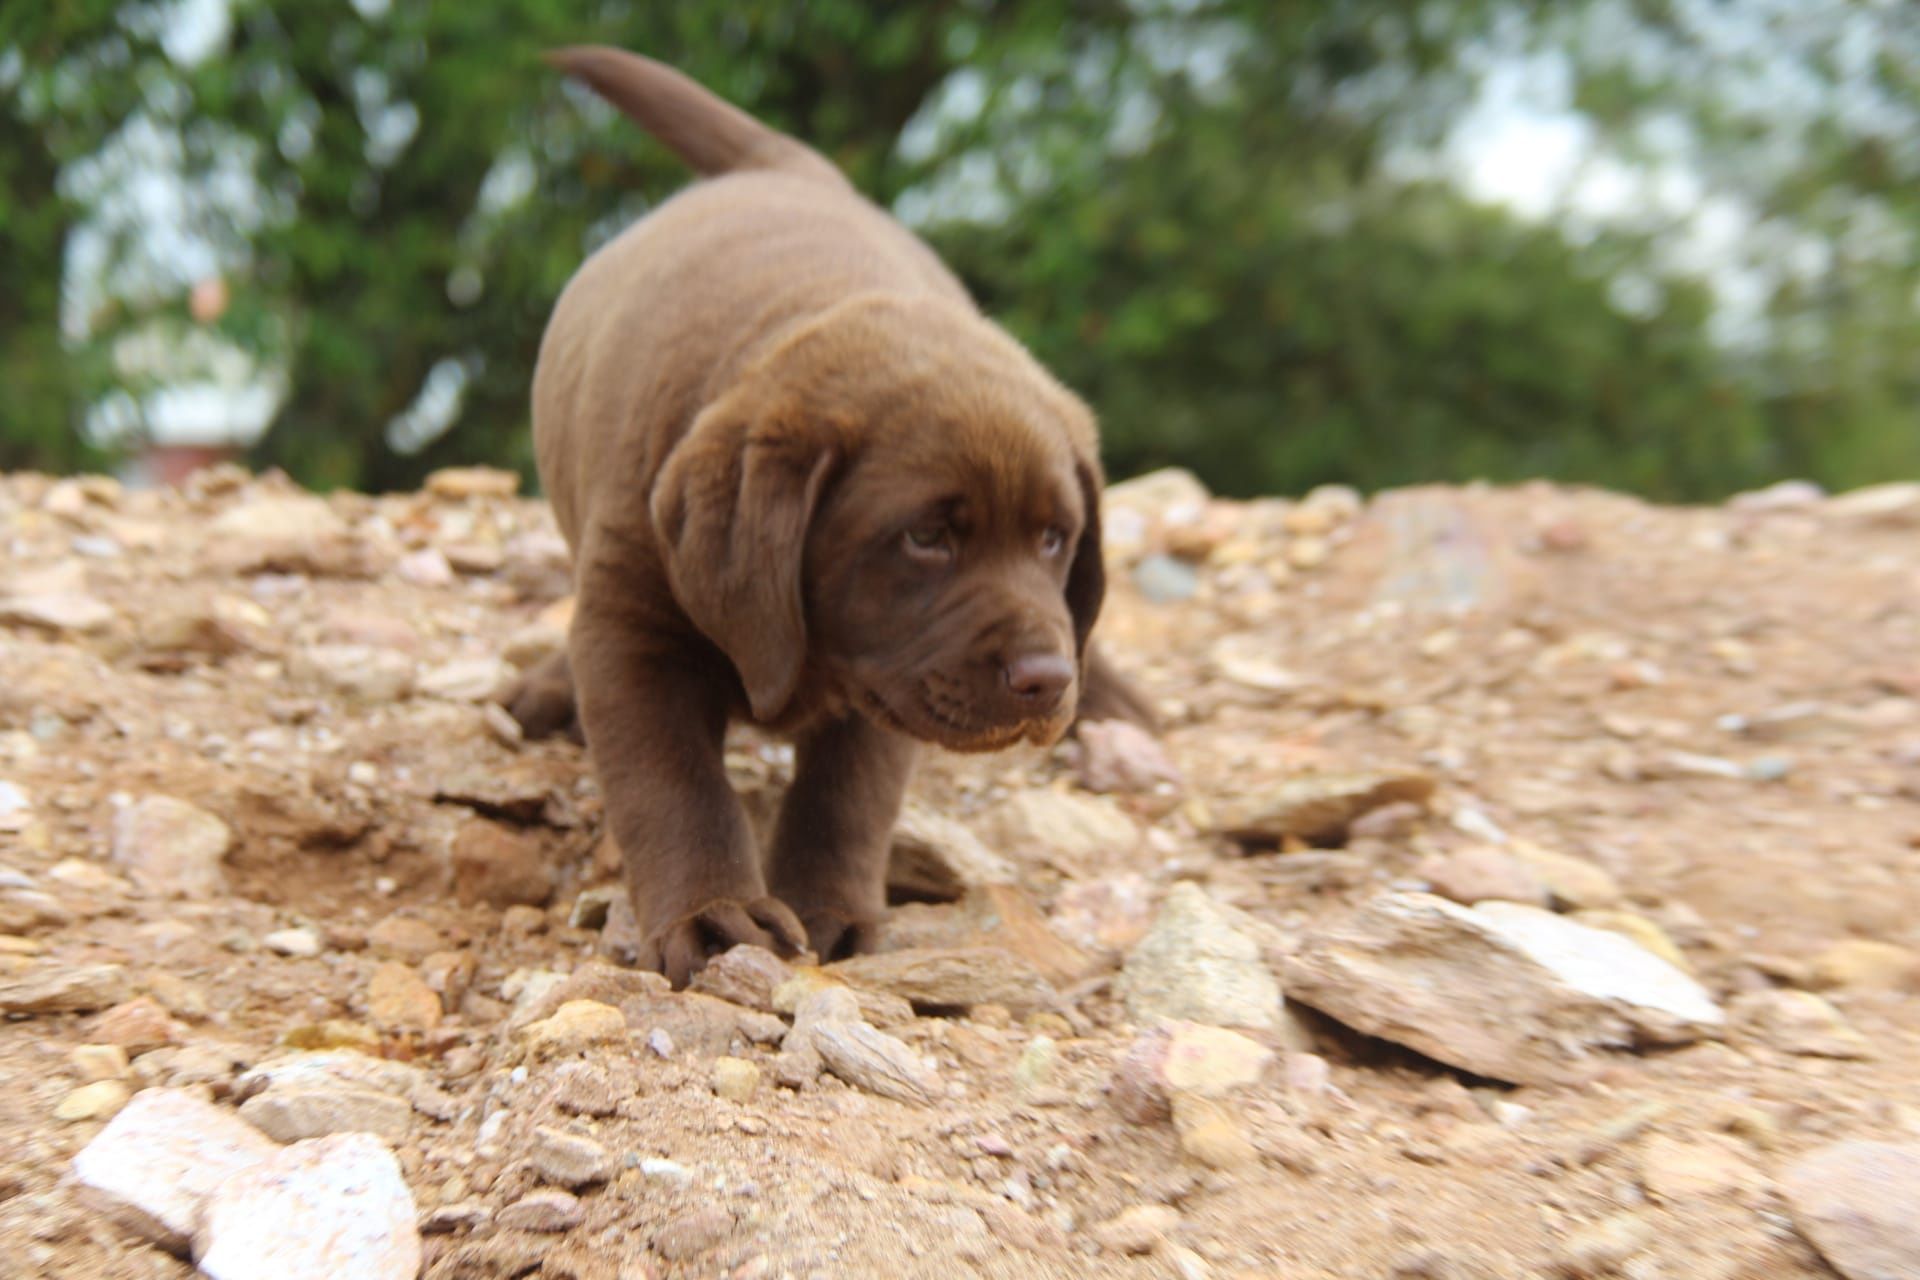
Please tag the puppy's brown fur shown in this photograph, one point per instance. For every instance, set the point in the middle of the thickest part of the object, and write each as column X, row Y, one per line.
column 806, row 482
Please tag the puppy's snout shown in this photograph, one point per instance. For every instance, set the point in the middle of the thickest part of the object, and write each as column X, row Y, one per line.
column 1037, row 680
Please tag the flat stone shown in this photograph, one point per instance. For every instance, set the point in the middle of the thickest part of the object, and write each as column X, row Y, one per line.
column 1573, row 884
column 1895, row 503
column 935, row 858
column 1859, row 1203
column 1122, row 758
column 137, row 1025
column 1136, row 1230
column 1196, row 965
column 1604, row 1247
column 156, row 1161
column 170, row 848
column 529, row 789
column 460, row 1216
column 316, row 1210
column 1318, row 809
column 881, row 1008
column 569, row 1159
column 57, row 612
column 745, row 975
column 550, row 1210
column 403, row 938
column 1073, row 832
column 1674, row 1170
column 1797, row 1022
column 1506, row 991
column 576, row 1026
column 873, row 1060
column 457, row 484
column 466, row 679
column 1867, row 964
column 293, row 1114
column 424, row 568
column 996, row 916
column 1481, row 873
column 94, row 1101
column 1211, row 1061
column 331, row 1069
column 400, row 998
column 99, row 1061
column 692, row 1232
column 587, row 1089
column 295, row 533
column 66, row 989
column 1211, row 1132
column 958, row 977
column 370, row 673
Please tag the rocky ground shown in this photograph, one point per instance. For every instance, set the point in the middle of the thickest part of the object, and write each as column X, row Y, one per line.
column 1583, row 837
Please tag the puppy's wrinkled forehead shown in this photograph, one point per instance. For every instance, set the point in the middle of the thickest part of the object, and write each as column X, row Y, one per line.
column 1004, row 467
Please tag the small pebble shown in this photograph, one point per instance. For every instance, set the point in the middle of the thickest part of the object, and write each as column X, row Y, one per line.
column 294, row 942
column 735, row 1079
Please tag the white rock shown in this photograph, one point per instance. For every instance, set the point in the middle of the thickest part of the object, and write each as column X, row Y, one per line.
column 1503, row 990
column 171, row 848
column 155, row 1163
column 1195, row 964
column 316, row 1210
column 289, row 1115
column 294, row 942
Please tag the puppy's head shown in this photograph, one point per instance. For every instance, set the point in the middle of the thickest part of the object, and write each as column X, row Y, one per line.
column 901, row 501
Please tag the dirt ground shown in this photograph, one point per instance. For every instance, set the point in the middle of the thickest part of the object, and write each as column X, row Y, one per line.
column 1719, row 707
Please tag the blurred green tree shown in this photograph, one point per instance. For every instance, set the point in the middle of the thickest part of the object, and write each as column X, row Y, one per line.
column 1188, row 209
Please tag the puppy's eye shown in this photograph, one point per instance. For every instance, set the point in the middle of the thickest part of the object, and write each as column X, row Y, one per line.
column 1053, row 541
column 929, row 543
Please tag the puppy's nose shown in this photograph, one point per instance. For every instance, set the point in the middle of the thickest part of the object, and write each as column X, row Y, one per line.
column 1038, row 679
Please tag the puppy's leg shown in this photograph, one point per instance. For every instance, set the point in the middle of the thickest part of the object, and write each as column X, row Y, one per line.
column 836, row 826
column 1105, row 694
column 542, row 699
column 658, row 725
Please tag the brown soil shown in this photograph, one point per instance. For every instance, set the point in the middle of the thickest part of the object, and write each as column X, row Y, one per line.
column 1561, row 662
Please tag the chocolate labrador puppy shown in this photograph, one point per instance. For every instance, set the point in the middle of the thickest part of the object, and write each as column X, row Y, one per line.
column 806, row 482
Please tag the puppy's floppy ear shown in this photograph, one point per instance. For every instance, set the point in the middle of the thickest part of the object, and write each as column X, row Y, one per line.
column 731, row 508
column 1087, row 577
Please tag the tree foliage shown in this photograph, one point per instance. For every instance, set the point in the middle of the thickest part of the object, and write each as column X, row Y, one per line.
column 1189, row 210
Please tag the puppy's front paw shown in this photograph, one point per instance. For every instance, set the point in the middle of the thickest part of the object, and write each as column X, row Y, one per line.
column 836, row 934
column 682, row 948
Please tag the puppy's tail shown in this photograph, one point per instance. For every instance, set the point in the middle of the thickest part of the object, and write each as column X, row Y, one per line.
column 712, row 135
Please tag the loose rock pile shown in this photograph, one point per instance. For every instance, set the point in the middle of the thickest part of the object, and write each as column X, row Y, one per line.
column 1526, row 887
